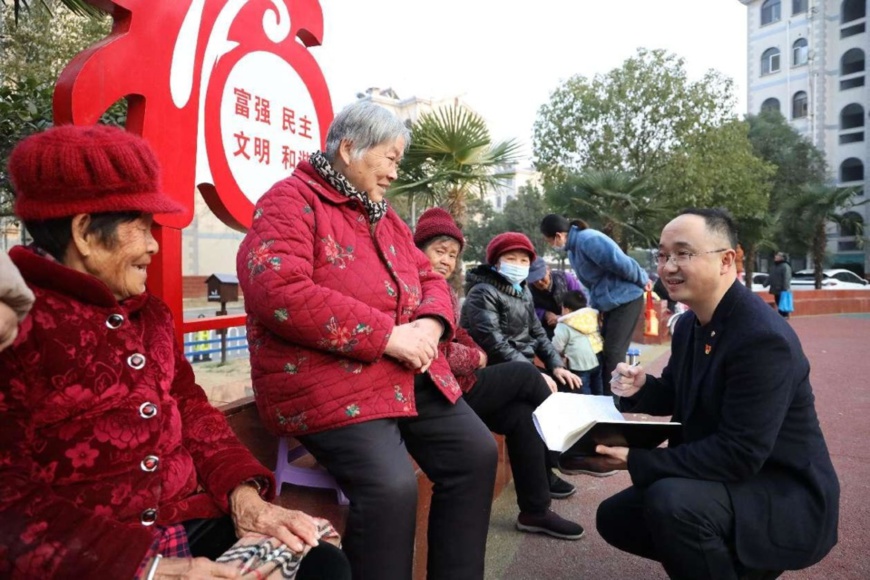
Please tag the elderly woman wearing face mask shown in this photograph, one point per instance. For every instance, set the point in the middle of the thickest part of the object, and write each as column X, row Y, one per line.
column 344, row 320
column 499, row 313
column 113, row 464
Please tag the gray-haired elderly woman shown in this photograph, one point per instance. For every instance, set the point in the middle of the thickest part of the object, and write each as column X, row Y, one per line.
column 344, row 319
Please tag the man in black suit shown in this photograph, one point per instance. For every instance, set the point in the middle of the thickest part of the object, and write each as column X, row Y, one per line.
column 748, row 488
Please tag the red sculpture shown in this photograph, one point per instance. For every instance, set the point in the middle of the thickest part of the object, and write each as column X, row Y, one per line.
column 225, row 91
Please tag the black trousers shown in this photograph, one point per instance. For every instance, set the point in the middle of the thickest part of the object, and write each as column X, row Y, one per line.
column 504, row 396
column 370, row 461
column 211, row 538
column 686, row 524
column 616, row 330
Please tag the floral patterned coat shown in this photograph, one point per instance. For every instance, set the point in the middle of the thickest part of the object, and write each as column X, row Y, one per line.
column 103, row 432
column 323, row 291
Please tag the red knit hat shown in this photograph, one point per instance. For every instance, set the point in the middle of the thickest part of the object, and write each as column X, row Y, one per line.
column 506, row 242
column 437, row 222
column 68, row 170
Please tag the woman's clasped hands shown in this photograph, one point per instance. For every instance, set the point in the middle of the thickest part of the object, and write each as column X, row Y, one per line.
column 415, row 344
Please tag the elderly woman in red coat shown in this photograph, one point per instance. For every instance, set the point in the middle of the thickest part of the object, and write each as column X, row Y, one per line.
column 344, row 319
column 113, row 464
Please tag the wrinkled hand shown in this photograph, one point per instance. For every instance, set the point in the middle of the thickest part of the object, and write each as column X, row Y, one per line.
column 193, row 569
column 251, row 513
column 415, row 344
column 8, row 326
column 551, row 319
column 613, row 457
column 627, row 380
column 551, row 384
column 566, row 377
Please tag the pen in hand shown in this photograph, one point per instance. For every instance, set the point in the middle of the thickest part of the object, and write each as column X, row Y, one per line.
column 614, row 377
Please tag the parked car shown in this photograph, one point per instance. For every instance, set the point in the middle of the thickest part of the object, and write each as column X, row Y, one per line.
column 835, row 279
column 759, row 281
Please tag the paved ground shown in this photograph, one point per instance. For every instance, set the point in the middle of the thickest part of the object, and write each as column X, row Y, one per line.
column 837, row 348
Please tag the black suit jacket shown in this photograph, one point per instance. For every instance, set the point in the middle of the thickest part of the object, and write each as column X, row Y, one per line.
column 740, row 387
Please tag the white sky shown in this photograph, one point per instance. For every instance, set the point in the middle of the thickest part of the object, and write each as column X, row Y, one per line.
column 505, row 56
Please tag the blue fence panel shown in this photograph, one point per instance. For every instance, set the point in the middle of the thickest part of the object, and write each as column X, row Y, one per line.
column 205, row 345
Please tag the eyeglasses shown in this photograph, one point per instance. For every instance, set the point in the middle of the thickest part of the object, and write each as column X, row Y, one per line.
column 682, row 257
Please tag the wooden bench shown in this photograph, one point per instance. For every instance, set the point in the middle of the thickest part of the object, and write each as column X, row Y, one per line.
column 245, row 421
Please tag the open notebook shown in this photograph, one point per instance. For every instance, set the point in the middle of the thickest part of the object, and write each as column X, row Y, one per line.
column 580, row 422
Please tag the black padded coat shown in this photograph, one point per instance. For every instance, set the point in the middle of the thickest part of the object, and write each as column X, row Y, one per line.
column 502, row 320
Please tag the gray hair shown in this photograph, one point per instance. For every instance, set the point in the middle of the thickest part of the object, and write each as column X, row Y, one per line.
column 365, row 125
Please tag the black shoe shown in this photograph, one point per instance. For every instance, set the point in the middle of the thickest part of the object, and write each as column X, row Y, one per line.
column 585, row 464
column 559, row 488
column 549, row 523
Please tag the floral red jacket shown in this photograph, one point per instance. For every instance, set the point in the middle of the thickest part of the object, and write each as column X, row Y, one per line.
column 103, row 432
column 462, row 353
column 324, row 289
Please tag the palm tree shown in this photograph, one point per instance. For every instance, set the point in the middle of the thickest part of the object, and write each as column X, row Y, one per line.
column 81, row 7
column 812, row 209
column 756, row 233
column 452, row 158
column 622, row 204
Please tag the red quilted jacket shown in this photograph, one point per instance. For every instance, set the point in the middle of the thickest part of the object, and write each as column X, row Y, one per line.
column 102, row 431
column 323, row 291
column 462, row 353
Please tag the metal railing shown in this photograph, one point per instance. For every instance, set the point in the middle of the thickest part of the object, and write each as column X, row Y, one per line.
column 205, row 345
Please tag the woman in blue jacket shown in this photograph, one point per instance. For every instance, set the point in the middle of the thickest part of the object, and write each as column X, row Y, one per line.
column 615, row 281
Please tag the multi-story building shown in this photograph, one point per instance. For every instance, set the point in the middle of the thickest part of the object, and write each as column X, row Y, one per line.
column 510, row 188
column 807, row 59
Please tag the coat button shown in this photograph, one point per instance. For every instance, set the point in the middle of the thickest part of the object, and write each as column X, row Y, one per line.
column 147, row 410
column 114, row 321
column 150, row 463
column 136, row 361
column 148, row 517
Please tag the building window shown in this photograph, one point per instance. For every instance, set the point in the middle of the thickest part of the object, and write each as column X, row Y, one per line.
column 851, row 117
column 852, row 10
column 852, row 62
column 852, row 169
column 770, row 11
column 770, row 104
column 798, row 6
column 770, row 61
column 800, row 52
column 799, row 105
column 852, row 30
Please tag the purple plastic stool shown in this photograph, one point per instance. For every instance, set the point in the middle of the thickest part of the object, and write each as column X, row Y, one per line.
column 286, row 472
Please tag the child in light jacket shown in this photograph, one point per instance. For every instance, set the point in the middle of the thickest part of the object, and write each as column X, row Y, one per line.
column 578, row 339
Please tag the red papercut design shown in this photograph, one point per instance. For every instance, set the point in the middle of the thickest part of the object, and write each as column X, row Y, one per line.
column 172, row 60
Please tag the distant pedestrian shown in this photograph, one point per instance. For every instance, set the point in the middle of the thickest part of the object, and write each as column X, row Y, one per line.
column 780, row 280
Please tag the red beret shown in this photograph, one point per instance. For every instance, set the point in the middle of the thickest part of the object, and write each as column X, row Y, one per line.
column 437, row 222
column 69, row 169
column 506, row 242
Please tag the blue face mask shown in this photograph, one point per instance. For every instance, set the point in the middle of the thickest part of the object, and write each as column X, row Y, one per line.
column 514, row 274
